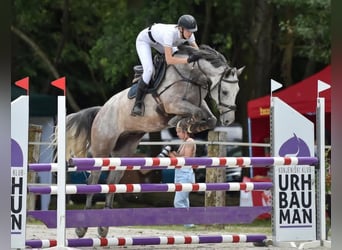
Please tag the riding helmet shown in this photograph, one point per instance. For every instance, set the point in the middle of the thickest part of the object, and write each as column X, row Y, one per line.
column 188, row 22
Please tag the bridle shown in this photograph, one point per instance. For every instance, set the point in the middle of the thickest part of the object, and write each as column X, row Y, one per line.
column 188, row 80
column 226, row 108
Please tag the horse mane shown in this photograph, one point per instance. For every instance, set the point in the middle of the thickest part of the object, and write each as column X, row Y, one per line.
column 205, row 52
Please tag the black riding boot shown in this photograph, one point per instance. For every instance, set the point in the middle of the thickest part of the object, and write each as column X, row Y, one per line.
column 138, row 108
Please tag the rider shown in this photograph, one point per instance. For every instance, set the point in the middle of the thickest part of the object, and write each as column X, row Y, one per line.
column 164, row 38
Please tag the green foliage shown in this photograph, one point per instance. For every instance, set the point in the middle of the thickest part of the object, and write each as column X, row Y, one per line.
column 311, row 27
column 114, row 52
column 92, row 43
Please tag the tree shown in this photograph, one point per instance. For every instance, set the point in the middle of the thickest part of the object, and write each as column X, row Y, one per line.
column 92, row 43
column 304, row 33
column 52, row 38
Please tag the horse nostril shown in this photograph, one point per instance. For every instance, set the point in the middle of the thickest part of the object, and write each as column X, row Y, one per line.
column 227, row 122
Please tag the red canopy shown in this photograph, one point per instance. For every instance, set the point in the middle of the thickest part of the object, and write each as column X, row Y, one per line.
column 301, row 96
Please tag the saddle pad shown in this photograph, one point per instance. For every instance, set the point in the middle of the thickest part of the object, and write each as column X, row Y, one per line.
column 132, row 92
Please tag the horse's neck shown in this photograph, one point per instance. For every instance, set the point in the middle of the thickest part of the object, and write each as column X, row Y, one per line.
column 188, row 73
column 182, row 70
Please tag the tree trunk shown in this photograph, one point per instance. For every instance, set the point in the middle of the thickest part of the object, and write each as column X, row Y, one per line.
column 35, row 132
column 50, row 67
column 262, row 45
column 258, row 58
column 216, row 175
column 207, row 21
column 286, row 64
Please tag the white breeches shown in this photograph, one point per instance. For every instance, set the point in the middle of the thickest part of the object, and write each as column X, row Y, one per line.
column 144, row 49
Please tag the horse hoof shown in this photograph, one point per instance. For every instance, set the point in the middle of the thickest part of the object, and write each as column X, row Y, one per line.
column 81, row 231
column 102, row 231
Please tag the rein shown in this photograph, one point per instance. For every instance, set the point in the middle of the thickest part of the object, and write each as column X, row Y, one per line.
column 188, row 81
column 229, row 107
column 206, row 86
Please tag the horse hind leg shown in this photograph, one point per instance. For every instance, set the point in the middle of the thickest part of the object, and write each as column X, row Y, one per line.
column 114, row 177
column 93, row 179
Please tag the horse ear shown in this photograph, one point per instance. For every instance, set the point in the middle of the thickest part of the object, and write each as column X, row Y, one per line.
column 240, row 70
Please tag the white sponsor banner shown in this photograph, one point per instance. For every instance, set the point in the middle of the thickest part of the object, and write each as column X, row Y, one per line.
column 19, row 149
column 294, row 186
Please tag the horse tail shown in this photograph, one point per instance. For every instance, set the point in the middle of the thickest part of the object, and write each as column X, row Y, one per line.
column 78, row 132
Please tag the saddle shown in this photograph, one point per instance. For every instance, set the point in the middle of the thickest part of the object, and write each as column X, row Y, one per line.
column 160, row 69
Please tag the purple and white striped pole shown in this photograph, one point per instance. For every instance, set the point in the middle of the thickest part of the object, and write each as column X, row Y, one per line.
column 192, row 161
column 144, row 188
column 154, row 240
column 149, row 163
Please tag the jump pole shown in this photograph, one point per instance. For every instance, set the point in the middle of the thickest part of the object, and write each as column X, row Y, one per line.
column 188, row 162
column 154, row 240
column 61, row 174
column 320, row 142
column 147, row 188
column 19, row 158
column 320, row 132
column 63, row 217
column 150, row 163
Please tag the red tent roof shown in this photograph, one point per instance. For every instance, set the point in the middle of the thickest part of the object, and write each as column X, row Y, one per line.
column 300, row 96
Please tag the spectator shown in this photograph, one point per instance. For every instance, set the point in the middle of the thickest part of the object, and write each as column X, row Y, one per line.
column 187, row 149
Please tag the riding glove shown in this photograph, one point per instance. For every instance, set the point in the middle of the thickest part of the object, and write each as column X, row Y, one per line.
column 193, row 58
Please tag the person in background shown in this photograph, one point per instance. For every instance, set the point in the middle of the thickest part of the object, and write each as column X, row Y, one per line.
column 187, row 149
column 164, row 38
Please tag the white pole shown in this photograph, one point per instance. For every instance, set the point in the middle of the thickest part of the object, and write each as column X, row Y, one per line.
column 61, row 180
column 320, row 131
column 19, row 137
column 250, row 141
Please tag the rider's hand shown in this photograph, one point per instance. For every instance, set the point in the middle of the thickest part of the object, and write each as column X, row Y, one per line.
column 193, row 58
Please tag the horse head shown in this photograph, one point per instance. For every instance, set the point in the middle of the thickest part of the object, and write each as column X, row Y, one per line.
column 223, row 80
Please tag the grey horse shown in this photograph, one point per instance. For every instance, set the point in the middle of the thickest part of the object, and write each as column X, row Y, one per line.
column 110, row 130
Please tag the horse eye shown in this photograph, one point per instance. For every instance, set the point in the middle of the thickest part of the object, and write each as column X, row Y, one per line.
column 228, row 73
column 224, row 92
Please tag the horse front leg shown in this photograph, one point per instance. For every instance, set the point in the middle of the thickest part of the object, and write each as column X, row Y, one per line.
column 207, row 120
column 201, row 126
column 183, row 109
column 93, row 179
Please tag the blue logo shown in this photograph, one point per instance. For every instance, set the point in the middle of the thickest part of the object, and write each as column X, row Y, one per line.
column 294, row 146
column 17, row 159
